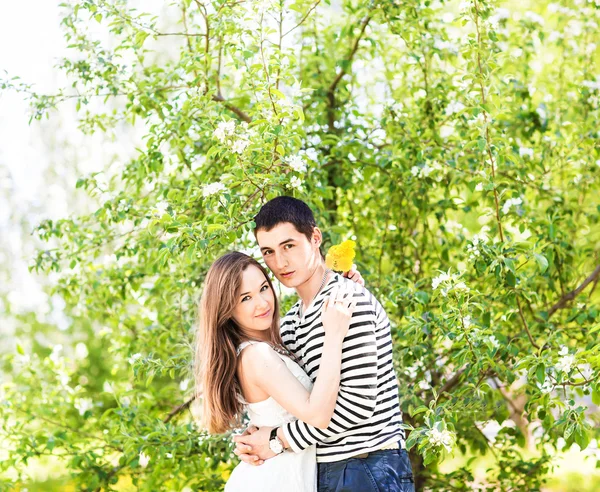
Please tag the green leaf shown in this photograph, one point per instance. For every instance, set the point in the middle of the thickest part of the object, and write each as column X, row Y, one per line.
column 541, row 261
column 511, row 279
column 540, row 372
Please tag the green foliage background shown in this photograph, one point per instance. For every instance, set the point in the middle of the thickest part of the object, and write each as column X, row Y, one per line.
column 457, row 142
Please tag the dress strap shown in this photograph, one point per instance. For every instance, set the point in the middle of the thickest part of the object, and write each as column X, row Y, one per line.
column 243, row 345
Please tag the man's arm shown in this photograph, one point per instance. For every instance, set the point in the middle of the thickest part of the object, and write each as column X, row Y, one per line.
column 358, row 387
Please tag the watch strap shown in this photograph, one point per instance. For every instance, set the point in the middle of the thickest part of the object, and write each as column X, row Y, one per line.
column 273, row 434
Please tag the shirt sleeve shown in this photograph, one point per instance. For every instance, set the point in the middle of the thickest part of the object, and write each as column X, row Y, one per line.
column 358, row 383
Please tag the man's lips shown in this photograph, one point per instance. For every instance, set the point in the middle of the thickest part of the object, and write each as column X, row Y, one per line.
column 264, row 315
column 287, row 275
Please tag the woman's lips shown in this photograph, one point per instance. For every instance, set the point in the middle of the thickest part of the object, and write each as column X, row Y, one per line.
column 265, row 314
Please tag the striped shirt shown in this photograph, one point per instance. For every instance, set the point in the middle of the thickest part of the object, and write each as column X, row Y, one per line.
column 367, row 413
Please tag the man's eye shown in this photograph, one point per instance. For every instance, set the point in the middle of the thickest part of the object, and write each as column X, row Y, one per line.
column 288, row 246
column 268, row 252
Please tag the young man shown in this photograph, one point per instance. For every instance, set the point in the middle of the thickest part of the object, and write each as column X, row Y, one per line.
column 363, row 447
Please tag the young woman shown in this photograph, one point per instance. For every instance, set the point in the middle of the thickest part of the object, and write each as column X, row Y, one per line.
column 242, row 365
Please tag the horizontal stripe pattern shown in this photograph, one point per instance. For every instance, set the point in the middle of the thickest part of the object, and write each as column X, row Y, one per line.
column 367, row 413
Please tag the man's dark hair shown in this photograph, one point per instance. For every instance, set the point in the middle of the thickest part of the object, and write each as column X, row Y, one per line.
column 286, row 209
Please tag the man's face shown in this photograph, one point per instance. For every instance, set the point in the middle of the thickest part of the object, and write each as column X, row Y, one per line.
column 289, row 254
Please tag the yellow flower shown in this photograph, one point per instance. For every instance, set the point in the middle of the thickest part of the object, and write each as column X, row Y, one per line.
column 340, row 256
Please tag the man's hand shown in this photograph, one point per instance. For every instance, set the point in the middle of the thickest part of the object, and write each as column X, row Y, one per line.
column 354, row 275
column 255, row 441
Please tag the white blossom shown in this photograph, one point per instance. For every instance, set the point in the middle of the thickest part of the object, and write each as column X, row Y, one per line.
column 499, row 15
column 134, row 357
column 444, row 277
column 183, row 385
column 415, row 170
column 424, row 384
column 442, row 45
column 563, row 350
column 161, row 208
column 461, row 286
column 296, row 182
column 454, row 107
column 240, row 145
column 592, row 84
column 168, row 455
column 493, row 341
column 426, row 170
column 441, row 438
column 312, row 154
column 491, row 429
column 81, row 350
column 478, row 120
column 420, row 94
column 510, row 203
column 64, row 379
column 525, row 151
column 586, row 371
column 144, row 460
column 296, row 163
column 565, row 363
column 533, row 17
column 446, row 131
column 83, row 405
column 55, row 356
column 547, row 387
column 224, row 128
column 212, row 189
column 412, row 371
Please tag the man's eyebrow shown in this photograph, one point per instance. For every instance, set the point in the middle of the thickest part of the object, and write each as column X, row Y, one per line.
column 246, row 293
column 290, row 240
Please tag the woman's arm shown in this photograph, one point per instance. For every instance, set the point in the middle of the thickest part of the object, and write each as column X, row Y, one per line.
column 262, row 366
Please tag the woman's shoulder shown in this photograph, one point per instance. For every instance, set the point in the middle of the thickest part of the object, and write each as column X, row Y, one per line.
column 258, row 354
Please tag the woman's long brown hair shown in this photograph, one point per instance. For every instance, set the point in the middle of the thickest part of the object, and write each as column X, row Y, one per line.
column 217, row 340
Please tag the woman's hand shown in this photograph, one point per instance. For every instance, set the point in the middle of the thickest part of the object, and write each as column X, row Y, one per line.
column 337, row 312
column 354, row 275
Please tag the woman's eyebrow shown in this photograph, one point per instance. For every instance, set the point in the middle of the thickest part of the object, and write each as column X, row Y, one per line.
column 246, row 293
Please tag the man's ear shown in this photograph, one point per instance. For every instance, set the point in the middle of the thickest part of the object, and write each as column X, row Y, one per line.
column 317, row 237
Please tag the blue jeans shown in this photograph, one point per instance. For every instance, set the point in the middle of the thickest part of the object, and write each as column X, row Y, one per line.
column 382, row 471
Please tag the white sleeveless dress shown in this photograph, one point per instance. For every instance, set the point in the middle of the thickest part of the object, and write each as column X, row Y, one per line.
column 289, row 471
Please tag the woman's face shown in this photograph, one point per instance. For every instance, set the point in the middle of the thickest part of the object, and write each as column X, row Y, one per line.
column 256, row 301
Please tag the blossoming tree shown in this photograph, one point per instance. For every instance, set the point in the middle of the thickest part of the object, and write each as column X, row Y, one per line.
column 456, row 144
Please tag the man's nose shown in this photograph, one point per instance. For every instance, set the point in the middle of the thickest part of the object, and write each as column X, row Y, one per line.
column 280, row 261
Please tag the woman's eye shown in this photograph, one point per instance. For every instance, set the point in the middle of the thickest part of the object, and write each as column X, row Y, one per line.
column 264, row 287
column 246, row 298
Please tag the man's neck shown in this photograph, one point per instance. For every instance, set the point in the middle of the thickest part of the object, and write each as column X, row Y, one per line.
column 309, row 289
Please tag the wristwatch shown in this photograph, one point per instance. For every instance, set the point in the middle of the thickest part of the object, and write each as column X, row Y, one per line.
column 275, row 443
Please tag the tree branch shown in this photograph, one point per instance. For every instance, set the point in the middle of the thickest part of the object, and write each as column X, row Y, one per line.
column 344, row 70
column 524, row 321
column 569, row 296
column 243, row 116
column 178, row 409
column 308, row 12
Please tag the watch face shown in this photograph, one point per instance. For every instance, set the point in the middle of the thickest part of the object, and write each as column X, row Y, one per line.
column 276, row 446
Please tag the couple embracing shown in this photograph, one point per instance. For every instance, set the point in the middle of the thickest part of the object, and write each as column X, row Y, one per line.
column 318, row 385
